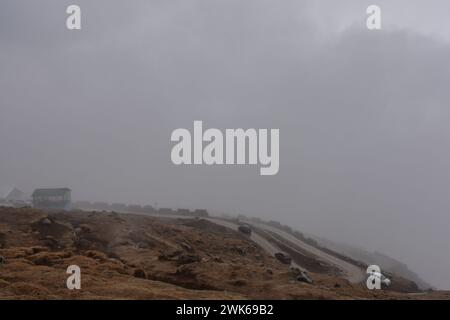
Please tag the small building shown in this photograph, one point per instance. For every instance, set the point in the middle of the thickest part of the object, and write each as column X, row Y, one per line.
column 184, row 212
column 16, row 197
column 201, row 213
column 57, row 198
column 166, row 211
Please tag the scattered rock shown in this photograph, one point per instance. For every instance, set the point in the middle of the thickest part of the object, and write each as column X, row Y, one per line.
column 186, row 246
column 46, row 221
column 170, row 255
column 113, row 214
column 96, row 255
column 2, row 240
column 42, row 260
column 38, row 249
column 4, row 284
column 123, row 242
column 51, row 242
column 238, row 283
column 29, row 289
column 83, row 244
column 143, row 245
column 186, row 270
column 239, row 250
column 86, row 228
column 139, row 273
column 187, row 258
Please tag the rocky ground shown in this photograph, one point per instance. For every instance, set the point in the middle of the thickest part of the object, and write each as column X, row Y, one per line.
column 126, row 256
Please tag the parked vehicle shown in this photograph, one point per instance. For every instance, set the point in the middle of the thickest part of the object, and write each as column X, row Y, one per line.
column 383, row 279
column 283, row 257
column 245, row 228
column 304, row 277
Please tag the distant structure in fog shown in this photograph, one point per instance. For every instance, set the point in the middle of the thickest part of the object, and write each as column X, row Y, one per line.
column 201, row 213
column 184, row 212
column 57, row 198
column 15, row 195
column 166, row 211
column 195, row 213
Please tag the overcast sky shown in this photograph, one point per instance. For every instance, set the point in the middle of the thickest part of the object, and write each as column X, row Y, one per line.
column 363, row 116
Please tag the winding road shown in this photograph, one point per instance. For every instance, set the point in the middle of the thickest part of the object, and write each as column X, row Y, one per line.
column 352, row 272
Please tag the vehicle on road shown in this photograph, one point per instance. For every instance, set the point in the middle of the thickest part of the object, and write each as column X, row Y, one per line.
column 304, row 277
column 245, row 228
column 383, row 279
column 283, row 257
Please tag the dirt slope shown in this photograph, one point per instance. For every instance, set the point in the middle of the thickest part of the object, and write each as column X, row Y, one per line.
column 125, row 256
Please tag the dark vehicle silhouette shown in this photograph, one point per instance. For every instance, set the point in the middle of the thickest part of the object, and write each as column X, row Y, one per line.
column 245, row 228
column 283, row 257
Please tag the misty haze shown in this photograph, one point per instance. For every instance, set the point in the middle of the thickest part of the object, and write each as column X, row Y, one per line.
column 363, row 116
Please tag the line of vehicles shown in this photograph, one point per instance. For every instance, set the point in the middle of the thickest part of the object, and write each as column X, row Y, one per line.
column 301, row 275
column 281, row 256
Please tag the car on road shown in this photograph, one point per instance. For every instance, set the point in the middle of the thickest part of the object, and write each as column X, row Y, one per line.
column 383, row 279
column 283, row 257
column 301, row 275
column 304, row 277
column 245, row 228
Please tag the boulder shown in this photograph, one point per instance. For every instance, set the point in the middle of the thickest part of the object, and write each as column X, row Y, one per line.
column 139, row 273
column 187, row 258
column 46, row 221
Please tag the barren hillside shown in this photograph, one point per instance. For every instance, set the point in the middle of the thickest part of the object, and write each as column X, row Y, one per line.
column 127, row 256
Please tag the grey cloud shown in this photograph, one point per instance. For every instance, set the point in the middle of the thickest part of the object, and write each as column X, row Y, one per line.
column 363, row 117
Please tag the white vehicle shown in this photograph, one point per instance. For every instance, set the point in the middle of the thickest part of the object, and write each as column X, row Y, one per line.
column 383, row 279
